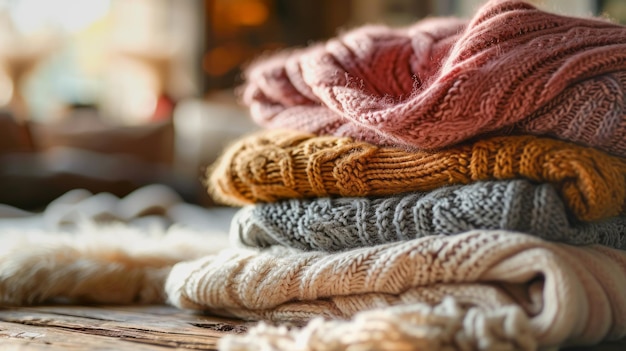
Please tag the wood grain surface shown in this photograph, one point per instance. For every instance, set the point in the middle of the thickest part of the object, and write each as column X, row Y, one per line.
column 125, row 328
column 143, row 328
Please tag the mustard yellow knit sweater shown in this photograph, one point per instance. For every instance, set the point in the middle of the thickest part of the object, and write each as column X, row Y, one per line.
column 277, row 164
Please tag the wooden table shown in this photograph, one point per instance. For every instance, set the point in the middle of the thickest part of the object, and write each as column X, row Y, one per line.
column 144, row 328
column 122, row 328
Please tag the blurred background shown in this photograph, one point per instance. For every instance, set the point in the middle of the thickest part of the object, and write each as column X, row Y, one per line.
column 111, row 95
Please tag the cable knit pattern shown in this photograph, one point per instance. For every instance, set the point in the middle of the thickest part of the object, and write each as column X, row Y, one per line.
column 272, row 165
column 569, row 294
column 512, row 68
column 335, row 224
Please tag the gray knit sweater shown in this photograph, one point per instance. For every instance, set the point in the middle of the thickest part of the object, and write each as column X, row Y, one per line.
column 335, row 224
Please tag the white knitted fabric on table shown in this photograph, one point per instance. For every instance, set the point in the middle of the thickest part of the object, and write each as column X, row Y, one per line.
column 110, row 264
column 540, row 294
column 446, row 326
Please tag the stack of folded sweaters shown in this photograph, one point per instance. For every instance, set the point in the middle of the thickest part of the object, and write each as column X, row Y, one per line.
column 449, row 185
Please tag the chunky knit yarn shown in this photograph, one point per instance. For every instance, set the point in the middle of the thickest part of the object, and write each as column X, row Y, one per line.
column 568, row 294
column 335, row 224
column 271, row 165
column 512, row 68
column 446, row 326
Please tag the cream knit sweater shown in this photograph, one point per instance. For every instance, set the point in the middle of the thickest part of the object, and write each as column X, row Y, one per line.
column 481, row 290
column 508, row 291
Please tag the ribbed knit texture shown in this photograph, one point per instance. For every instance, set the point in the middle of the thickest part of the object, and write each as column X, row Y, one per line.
column 336, row 224
column 272, row 165
column 568, row 294
column 511, row 69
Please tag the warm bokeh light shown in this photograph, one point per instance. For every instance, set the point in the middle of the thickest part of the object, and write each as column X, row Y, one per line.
column 71, row 15
column 6, row 89
column 248, row 12
column 224, row 58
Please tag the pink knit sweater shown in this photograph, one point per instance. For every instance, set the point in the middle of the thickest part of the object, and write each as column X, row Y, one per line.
column 511, row 69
